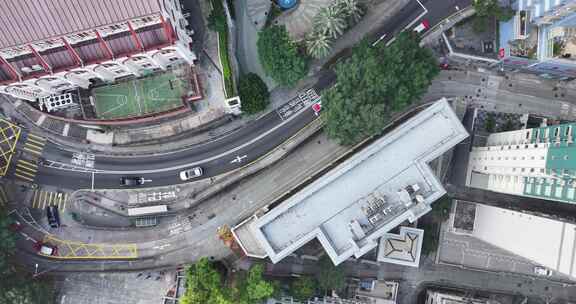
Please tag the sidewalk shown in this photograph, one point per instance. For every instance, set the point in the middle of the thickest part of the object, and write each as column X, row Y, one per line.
column 178, row 198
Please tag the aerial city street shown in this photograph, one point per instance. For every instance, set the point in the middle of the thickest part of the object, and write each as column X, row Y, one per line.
column 287, row 152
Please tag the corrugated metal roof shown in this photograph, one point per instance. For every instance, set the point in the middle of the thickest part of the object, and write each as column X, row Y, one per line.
column 31, row 20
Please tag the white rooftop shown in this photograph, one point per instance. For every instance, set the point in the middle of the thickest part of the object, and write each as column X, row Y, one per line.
column 375, row 190
column 547, row 242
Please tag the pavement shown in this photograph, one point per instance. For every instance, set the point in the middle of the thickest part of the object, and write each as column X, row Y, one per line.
column 250, row 18
column 115, row 288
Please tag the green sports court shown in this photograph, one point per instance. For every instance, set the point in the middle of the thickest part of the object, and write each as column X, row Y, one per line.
column 138, row 97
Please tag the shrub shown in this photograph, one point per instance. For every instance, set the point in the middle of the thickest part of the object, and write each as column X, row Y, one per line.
column 253, row 93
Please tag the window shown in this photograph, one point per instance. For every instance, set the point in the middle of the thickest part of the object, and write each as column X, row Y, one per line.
column 532, row 158
column 542, row 170
column 522, row 170
column 542, row 157
column 556, row 132
column 566, row 157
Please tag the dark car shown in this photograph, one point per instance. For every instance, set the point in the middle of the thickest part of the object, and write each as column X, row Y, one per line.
column 53, row 217
column 131, row 181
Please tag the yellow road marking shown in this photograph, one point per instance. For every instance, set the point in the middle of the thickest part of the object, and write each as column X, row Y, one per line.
column 26, row 167
column 37, row 141
column 43, row 196
column 31, row 174
column 23, row 177
column 79, row 250
column 4, row 197
column 36, row 136
column 35, row 199
column 64, row 200
column 28, row 163
column 34, row 146
column 32, row 151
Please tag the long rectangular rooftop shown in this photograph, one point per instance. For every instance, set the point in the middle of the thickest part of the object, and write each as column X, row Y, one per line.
column 31, row 20
column 378, row 188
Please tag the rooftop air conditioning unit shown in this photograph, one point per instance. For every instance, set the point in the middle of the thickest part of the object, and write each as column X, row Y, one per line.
column 37, row 67
column 26, row 69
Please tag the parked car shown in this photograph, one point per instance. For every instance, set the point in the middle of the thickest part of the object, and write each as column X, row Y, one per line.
column 191, row 173
column 131, row 181
column 423, row 26
column 46, row 249
column 53, row 216
column 542, row 271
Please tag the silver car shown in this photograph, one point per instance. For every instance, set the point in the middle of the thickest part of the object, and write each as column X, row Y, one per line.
column 191, row 173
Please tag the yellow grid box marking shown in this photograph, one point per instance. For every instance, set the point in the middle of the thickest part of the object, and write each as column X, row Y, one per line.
column 7, row 144
column 78, row 250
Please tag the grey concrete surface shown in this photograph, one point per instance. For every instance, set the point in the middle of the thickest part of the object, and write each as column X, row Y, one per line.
column 114, row 288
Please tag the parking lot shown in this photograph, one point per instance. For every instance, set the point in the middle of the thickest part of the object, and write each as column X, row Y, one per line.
column 115, row 288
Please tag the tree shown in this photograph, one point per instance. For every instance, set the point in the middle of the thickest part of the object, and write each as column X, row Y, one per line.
column 303, row 288
column 204, row 285
column 7, row 242
column 253, row 93
column 21, row 289
column 330, row 21
column 351, row 10
column 373, row 83
column 330, row 277
column 318, row 45
column 489, row 8
column 280, row 57
column 257, row 288
column 217, row 17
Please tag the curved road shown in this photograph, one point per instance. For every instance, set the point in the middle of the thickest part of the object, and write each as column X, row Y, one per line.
column 217, row 157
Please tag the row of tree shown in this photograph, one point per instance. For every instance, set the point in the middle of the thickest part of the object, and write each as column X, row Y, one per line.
column 206, row 284
column 17, row 286
column 374, row 83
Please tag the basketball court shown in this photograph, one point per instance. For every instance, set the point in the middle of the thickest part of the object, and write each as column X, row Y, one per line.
column 139, row 97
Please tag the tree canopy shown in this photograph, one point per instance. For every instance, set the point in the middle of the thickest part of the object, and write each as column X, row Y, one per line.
column 303, row 288
column 330, row 277
column 280, row 56
column 254, row 288
column 17, row 287
column 253, row 93
column 203, row 285
column 373, row 83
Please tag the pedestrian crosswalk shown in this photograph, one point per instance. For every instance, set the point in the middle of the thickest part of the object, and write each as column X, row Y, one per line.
column 34, row 144
column 26, row 170
column 42, row 199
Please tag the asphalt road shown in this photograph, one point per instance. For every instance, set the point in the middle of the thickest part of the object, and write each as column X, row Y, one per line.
column 215, row 157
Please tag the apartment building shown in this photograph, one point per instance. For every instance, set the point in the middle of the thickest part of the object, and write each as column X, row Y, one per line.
column 540, row 38
column 50, row 46
column 538, row 162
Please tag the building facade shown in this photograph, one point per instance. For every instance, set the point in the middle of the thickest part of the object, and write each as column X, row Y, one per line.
column 530, row 41
column 57, row 45
column 538, row 162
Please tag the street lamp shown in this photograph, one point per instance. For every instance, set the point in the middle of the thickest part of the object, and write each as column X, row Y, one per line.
column 35, row 269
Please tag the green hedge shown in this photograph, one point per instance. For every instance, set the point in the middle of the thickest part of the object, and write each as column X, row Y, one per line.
column 217, row 22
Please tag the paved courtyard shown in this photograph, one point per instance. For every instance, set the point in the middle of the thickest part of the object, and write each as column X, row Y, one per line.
column 115, row 288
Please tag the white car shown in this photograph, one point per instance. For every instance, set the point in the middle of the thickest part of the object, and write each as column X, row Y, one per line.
column 542, row 271
column 191, row 173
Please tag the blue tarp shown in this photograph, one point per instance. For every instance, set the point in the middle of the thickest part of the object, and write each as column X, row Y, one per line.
column 287, row 3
